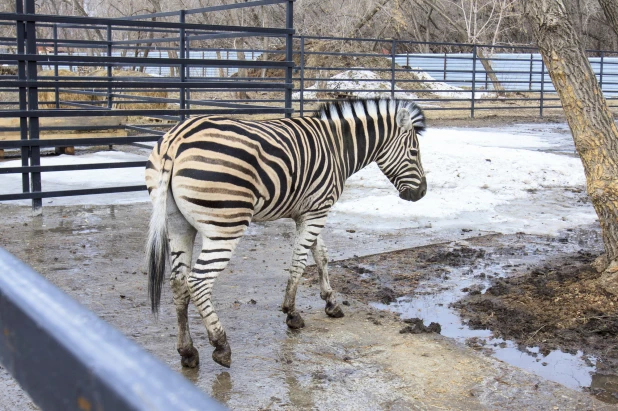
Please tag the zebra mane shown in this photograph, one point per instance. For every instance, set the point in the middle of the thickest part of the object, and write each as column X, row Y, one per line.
column 354, row 108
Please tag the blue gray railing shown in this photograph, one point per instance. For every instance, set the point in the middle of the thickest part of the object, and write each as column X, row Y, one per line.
column 66, row 358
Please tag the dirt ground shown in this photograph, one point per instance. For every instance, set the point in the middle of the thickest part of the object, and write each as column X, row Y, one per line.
column 548, row 299
column 359, row 362
column 557, row 305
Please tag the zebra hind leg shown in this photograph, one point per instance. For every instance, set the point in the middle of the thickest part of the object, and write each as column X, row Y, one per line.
column 307, row 230
column 213, row 259
column 320, row 255
column 181, row 237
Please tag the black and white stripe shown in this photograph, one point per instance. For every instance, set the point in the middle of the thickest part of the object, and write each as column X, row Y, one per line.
column 214, row 175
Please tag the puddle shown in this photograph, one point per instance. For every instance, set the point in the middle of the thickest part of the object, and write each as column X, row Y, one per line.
column 85, row 231
column 432, row 303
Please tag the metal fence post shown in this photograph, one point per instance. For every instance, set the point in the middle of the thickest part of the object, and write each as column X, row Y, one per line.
column 110, row 73
column 542, row 87
column 302, row 74
column 23, row 102
column 474, row 51
column 393, row 51
column 57, row 89
column 531, row 67
column 601, row 71
column 444, row 73
column 181, row 71
column 289, row 56
column 33, row 105
column 188, row 69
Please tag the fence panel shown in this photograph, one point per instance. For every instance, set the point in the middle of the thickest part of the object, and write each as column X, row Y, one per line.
column 149, row 84
column 60, row 77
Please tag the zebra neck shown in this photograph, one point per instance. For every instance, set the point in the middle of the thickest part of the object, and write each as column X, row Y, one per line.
column 357, row 143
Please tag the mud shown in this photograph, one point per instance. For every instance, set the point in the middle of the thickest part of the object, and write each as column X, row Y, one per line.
column 556, row 306
column 536, row 295
column 416, row 326
column 359, row 362
column 386, row 277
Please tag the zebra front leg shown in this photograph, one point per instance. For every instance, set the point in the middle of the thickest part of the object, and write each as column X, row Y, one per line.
column 320, row 255
column 307, row 230
column 181, row 237
column 212, row 260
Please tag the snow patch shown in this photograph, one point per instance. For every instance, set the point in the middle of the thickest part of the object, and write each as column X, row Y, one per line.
column 357, row 82
column 84, row 179
column 445, row 90
column 349, row 80
column 523, row 178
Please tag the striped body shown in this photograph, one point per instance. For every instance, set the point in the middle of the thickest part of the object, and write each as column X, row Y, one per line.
column 214, row 175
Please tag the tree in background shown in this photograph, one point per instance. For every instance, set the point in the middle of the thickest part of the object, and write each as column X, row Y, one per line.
column 476, row 22
column 592, row 124
column 610, row 8
column 418, row 20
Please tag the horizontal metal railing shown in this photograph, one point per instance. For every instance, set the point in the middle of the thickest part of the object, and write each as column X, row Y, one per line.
column 66, row 358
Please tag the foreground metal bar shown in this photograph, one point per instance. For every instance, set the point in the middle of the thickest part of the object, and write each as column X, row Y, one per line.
column 66, row 358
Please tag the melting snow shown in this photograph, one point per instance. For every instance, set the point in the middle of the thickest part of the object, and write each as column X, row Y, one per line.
column 356, row 80
column 446, row 90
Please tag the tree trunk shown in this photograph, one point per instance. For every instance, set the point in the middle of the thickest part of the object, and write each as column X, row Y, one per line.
column 359, row 25
column 456, row 24
column 173, row 54
column 490, row 71
column 592, row 124
column 242, row 74
column 142, row 68
column 610, row 8
column 221, row 71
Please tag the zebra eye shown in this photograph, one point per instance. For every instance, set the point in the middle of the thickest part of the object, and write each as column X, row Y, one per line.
column 414, row 152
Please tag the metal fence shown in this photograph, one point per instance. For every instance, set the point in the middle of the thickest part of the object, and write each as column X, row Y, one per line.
column 116, row 90
column 66, row 358
column 36, row 104
column 469, row 78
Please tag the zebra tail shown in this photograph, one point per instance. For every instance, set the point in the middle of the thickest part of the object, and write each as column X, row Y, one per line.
column 157, row 247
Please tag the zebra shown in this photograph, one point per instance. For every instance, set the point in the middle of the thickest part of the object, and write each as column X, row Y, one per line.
column 213, row 175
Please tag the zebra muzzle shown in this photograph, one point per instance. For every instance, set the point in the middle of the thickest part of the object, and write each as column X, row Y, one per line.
column 410, row 194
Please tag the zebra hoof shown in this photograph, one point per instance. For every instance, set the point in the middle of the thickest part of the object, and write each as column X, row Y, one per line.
column 295, row 321
column 189, row 358
column 222, row 355
column 333, row 310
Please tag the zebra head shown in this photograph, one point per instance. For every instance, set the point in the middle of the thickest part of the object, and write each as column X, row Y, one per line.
column 400, row 159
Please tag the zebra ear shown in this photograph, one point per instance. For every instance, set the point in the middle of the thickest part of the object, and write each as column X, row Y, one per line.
column 404, row 119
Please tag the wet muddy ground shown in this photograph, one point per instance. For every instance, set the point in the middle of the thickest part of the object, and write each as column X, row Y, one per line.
column 360, row 362
column 558, row 305
column 533, row 295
